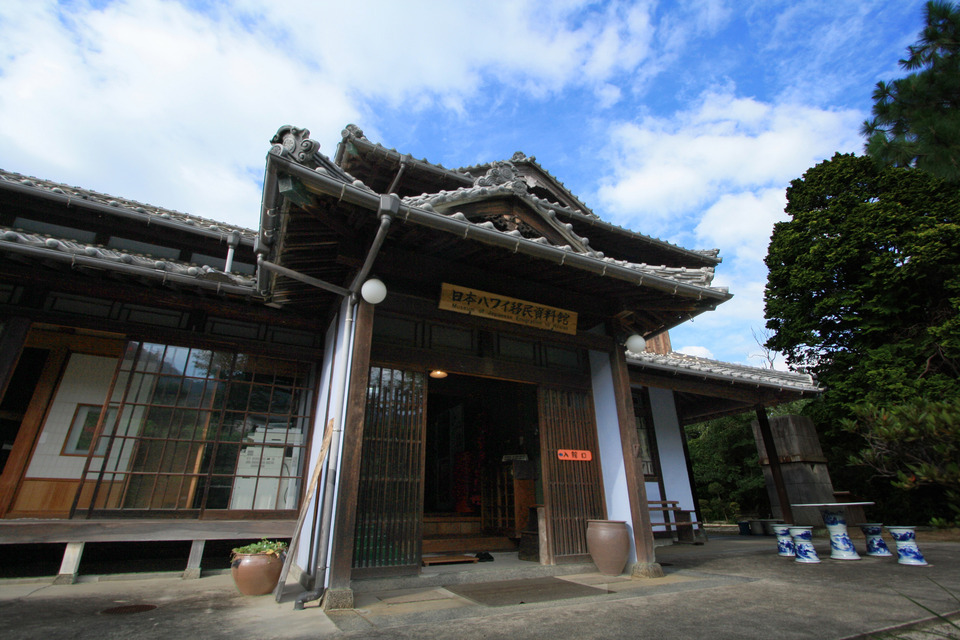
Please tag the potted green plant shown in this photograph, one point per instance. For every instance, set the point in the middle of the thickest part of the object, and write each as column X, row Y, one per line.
column 256, row 567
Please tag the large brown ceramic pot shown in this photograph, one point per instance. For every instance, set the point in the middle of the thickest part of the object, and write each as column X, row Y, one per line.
column 256, row 574
column 608, row 542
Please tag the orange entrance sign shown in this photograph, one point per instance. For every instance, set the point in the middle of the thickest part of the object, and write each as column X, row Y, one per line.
column 574, row 454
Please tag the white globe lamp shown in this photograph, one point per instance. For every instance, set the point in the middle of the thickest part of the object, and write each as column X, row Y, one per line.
column 636, row 343
column 373, row 291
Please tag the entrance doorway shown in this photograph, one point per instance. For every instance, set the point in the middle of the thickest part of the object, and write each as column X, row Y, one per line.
column 454, row 465
column 482, row 464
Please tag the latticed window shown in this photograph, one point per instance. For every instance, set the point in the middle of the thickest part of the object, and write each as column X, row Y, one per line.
column 199, row 430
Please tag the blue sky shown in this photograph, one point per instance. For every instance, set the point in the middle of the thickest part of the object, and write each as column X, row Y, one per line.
column 684, row 120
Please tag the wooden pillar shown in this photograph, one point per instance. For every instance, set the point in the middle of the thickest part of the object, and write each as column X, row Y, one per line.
column 766, row 434
column 339, row 595
column 646, row 566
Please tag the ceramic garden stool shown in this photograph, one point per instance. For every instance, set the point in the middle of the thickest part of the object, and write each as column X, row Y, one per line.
column 803, row 545
column 841, row 547
column 907, row 550
column 876, row 547
column 785, row 546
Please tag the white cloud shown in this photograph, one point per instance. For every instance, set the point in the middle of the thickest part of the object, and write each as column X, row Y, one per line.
column 175, row 106
column 699, row 352
column 723, row 145
column 155, row 103
column 742, row 222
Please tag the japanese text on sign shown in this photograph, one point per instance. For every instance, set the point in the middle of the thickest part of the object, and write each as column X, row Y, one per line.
column 491, row 305
column 574, row 455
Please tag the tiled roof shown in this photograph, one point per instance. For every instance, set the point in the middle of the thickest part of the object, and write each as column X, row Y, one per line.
column 447, row 200
column 725, row 371
column 91, row 256
column 78, row 195
column 471, row 172
column 36, row 246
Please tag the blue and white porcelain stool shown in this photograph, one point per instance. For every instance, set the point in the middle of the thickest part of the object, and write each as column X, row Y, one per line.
column 876, row 547
column 803, row 545
column 907, row 550
column 841, row 547
column 785, row 546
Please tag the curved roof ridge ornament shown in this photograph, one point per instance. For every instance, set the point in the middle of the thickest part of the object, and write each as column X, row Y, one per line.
column 503, row 173
column 295, row 143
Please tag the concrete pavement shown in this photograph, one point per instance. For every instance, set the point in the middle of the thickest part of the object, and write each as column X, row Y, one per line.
column 732, row 587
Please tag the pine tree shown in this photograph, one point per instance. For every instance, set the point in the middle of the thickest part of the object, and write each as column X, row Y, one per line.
column 916, row 119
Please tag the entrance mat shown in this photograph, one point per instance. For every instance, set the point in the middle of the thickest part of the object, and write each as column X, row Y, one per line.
column 509, row 592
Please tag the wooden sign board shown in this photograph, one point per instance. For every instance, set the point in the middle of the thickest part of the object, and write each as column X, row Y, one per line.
column 492, row 305
column 575, row 455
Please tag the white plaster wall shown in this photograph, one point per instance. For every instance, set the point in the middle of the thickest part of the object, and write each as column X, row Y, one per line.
column 86, row 380
column 673, row 465
column 611, row 450
column 321, row 416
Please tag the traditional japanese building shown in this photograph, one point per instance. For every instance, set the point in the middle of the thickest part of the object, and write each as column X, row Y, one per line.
column 421, row 361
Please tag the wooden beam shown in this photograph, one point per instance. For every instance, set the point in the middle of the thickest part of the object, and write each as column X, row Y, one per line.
column 46, row 531
column 419, row 308
column 766, row 434
column 422, row 359
column 418, row 266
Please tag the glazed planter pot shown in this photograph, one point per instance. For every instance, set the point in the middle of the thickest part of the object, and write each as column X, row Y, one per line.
column 608, row 542
column 256, row 574
column 907, row 550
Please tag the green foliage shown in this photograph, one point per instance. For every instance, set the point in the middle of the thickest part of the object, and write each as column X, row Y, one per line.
column 915, row 443
column 864, row 292
column 864, row 281
column 916, row 119
column 264, row 547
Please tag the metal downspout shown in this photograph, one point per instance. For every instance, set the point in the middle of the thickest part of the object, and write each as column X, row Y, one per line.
column 389, row 205
column 396, row 179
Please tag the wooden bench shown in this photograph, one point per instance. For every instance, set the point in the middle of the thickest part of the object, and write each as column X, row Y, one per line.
column 76, row 533
column 682, row 520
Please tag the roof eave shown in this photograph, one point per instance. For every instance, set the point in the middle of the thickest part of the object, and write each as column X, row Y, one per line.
column 362, row 196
